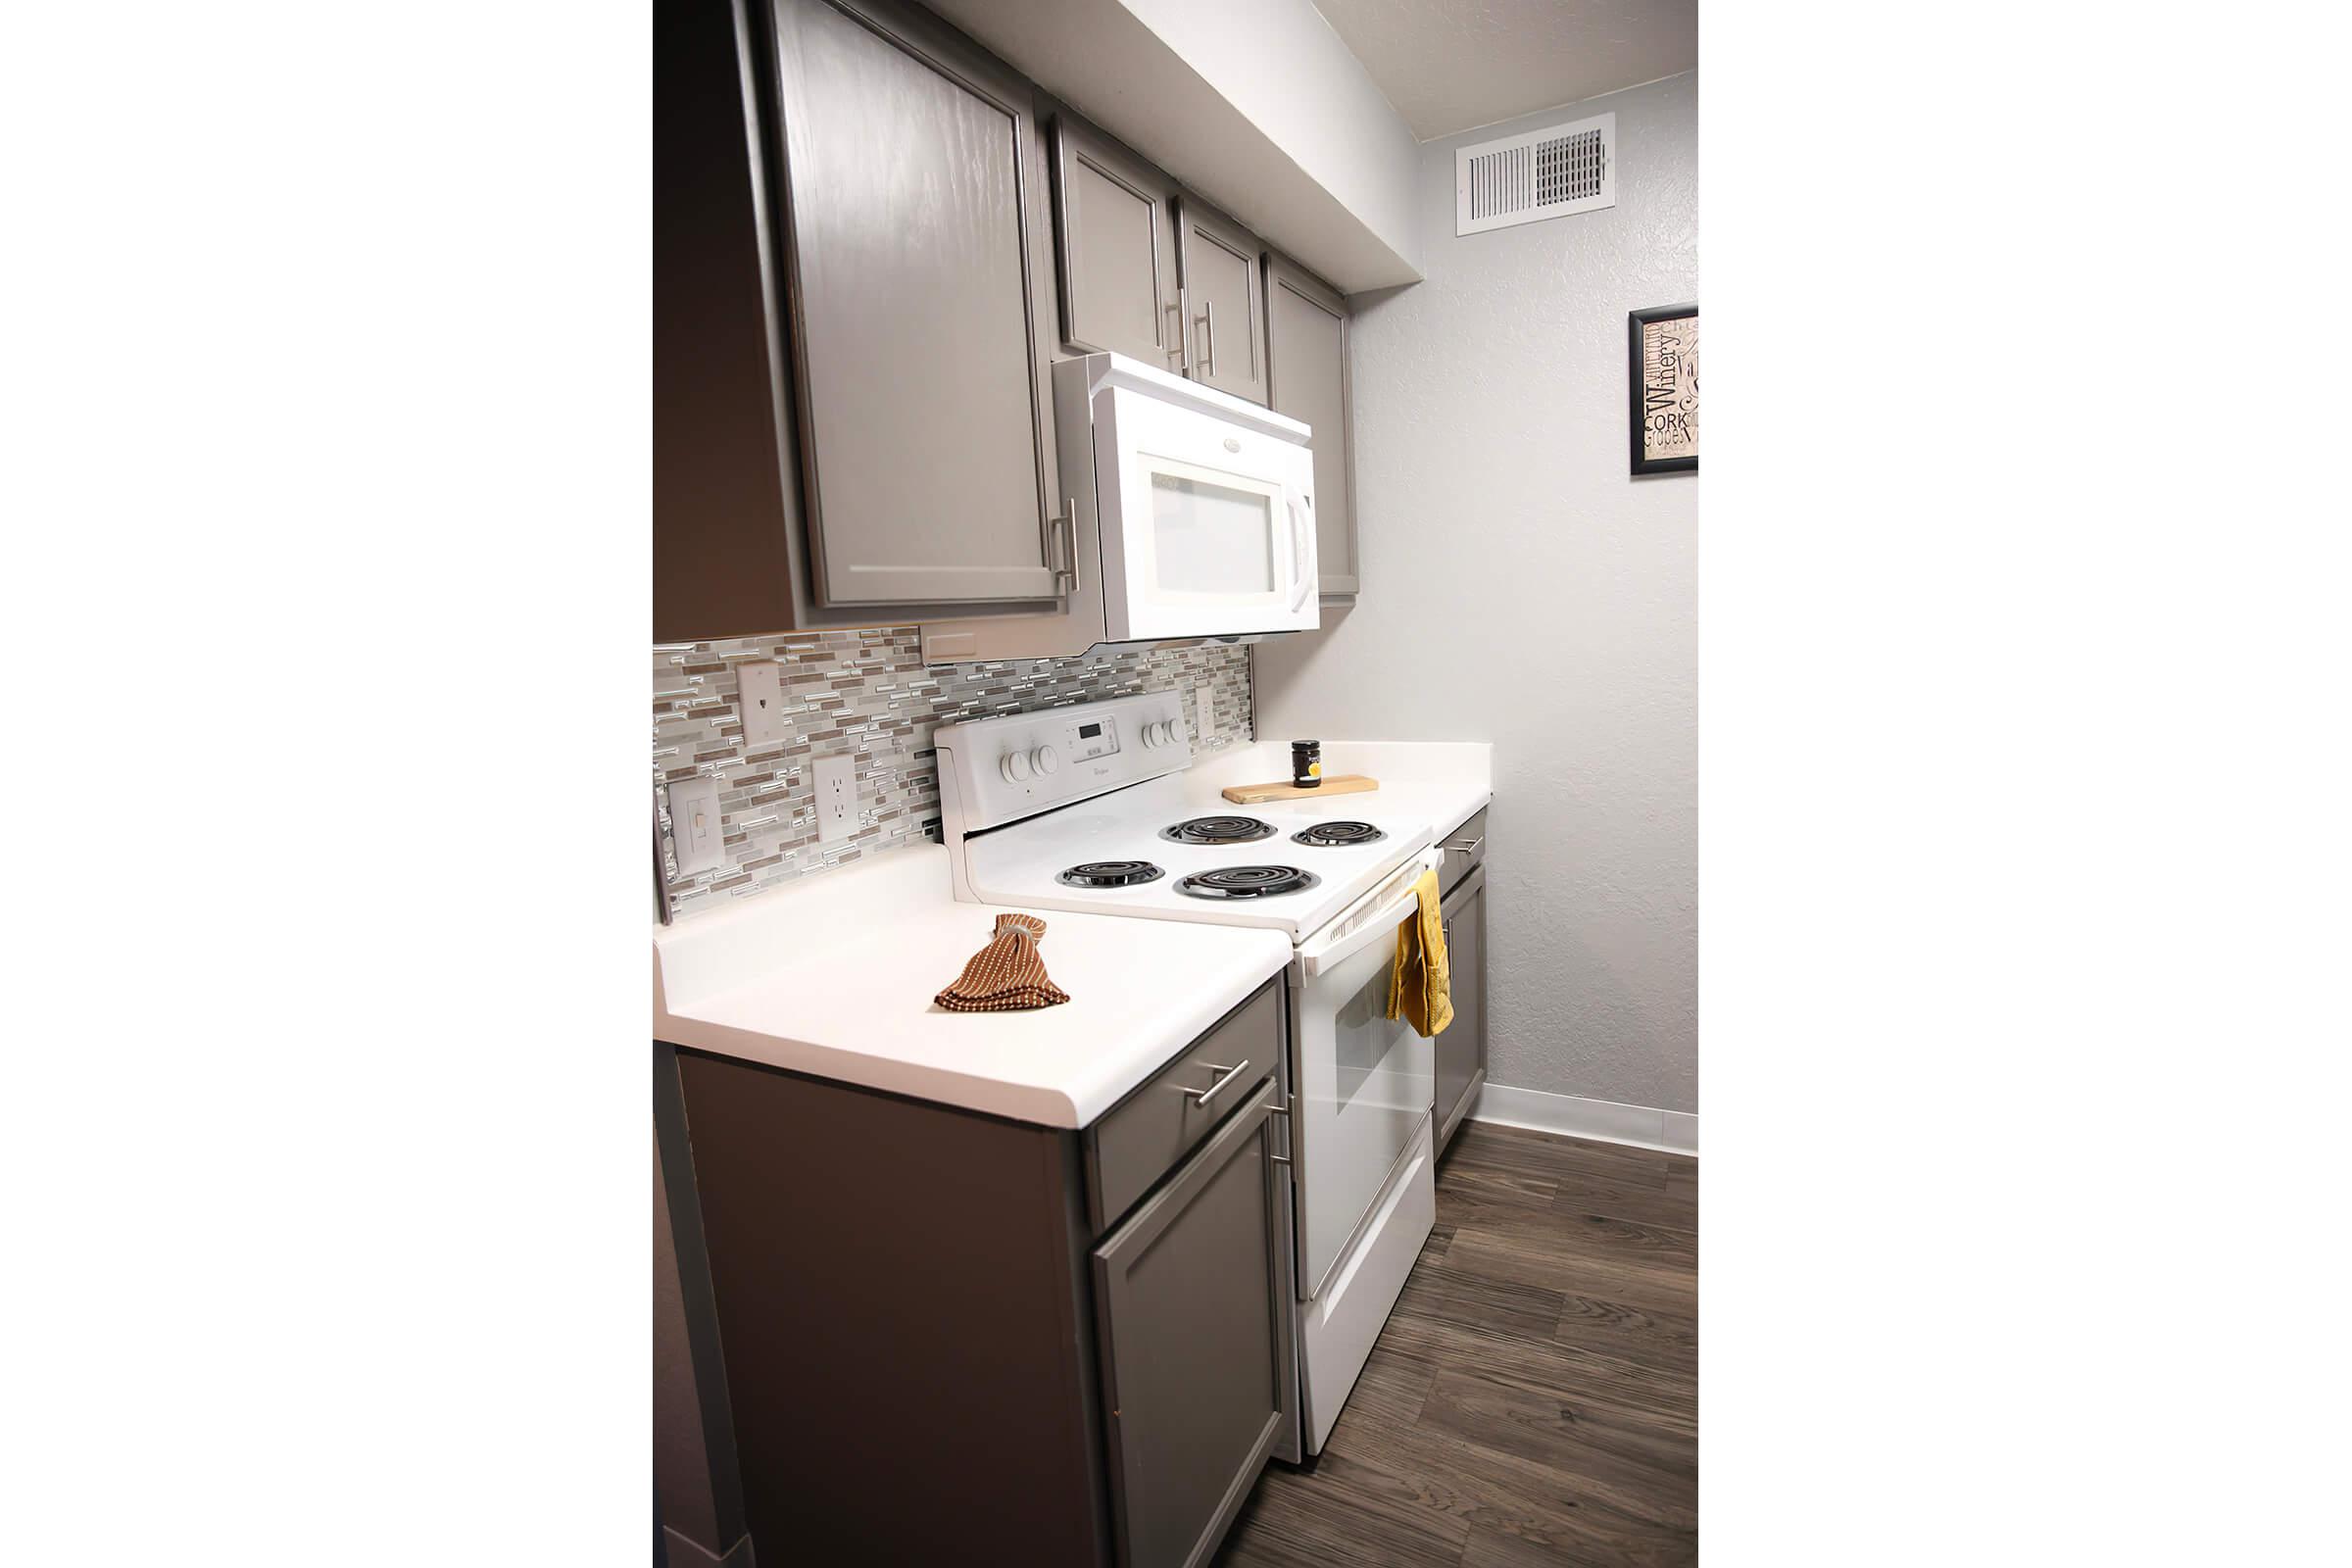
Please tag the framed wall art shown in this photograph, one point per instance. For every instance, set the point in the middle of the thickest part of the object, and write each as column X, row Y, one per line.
column 1661, row 378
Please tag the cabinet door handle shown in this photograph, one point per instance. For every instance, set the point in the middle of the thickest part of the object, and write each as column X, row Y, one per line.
column 1225, row 1075
column 1208, row 357
column 1069, row 545
column 1467, row 845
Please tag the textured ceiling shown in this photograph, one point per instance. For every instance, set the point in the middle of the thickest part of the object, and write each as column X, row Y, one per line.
column 1454, row 64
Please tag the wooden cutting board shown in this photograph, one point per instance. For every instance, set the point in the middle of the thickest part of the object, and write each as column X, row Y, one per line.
column 1285, row 790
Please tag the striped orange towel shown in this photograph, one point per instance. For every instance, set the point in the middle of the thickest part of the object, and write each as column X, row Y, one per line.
column 1006, row 975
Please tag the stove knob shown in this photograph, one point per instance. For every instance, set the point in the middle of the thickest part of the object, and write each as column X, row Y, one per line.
column 1046, row 760
column 1015, row 767
column 1167, row 733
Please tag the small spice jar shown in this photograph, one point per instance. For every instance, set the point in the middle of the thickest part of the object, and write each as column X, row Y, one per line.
column 1306, row 765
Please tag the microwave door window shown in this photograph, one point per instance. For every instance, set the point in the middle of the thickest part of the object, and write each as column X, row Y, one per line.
column 1211, row 538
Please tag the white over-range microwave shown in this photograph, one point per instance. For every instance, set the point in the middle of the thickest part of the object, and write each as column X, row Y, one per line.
column 1203, row 503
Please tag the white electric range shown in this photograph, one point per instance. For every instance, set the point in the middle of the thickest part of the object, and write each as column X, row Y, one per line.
column 1092, row 808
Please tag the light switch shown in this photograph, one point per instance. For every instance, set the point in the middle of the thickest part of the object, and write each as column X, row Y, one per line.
column 760, row 699
column 1204, row 709
column 695, row 824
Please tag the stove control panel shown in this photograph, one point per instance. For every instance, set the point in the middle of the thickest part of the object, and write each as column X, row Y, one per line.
column 997, row 770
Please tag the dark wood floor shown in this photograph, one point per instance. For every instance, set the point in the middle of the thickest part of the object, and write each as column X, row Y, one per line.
column 1535, row 1397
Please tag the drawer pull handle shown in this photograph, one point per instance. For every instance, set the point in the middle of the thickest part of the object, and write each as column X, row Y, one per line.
column 1466, row 846
column 1225, row 1075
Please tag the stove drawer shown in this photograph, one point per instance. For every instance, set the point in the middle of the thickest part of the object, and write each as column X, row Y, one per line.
column 1145, row 1136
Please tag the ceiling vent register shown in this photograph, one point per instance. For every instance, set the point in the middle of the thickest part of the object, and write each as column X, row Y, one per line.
column 1535, row 174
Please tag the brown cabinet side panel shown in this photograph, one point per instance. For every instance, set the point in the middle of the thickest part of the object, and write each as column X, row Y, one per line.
column 896, row 1285
column 722, row 519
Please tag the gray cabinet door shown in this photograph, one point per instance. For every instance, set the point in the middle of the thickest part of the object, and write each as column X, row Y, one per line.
column 1306, row 359
column 1191, row 1318
column 916, row 250
column 1224, row 300
column 1116, row 242
column 1461, row 1049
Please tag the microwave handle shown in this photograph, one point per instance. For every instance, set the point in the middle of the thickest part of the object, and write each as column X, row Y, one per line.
column 1302, row 531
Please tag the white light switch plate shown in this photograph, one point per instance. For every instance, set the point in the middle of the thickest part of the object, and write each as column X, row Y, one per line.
column 1204, row 709
column 693, row 824
column 759, row 697
column 836, row 796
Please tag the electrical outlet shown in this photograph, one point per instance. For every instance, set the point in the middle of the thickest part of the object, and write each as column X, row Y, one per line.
column 693, row 824
column 1204, row 709
column 760, row 699
column 836, row 796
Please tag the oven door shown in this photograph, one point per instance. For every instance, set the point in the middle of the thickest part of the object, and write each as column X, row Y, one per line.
column 1207, row 525
column 1362, row 1081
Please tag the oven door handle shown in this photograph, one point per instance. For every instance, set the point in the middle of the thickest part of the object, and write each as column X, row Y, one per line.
column 1358, row 931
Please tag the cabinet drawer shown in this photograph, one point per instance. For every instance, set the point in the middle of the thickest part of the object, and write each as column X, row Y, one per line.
column 1143, row 1135
column 1465, row 847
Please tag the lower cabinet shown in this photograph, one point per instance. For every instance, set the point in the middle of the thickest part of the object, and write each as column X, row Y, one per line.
column 1192, row 1331
column 952, row 1338
column 1461, row 1049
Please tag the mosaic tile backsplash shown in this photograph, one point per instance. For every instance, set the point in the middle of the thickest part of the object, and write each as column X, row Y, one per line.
column 868, row 693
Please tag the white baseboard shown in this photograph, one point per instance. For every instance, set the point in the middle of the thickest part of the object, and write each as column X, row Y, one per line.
column 1643, row 1126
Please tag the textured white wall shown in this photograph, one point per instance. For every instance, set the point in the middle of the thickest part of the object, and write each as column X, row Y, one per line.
column 1520, row 588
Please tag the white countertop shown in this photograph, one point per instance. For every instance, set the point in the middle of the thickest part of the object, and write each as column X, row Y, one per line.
column 1443, row 782
column 833, row 976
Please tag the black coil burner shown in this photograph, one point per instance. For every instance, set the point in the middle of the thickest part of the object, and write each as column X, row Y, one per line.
column 1338, row 835
column 1110, row 874
column 1227, row 829
column 1247, row 882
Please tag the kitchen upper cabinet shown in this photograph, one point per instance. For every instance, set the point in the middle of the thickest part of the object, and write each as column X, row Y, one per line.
column 1306, row 358
column 916, row 237
column 1225, row 300
column 725, row 535
column 1115, row 243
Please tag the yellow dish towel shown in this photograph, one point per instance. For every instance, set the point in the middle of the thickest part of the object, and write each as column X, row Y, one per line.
column 1419, row 983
